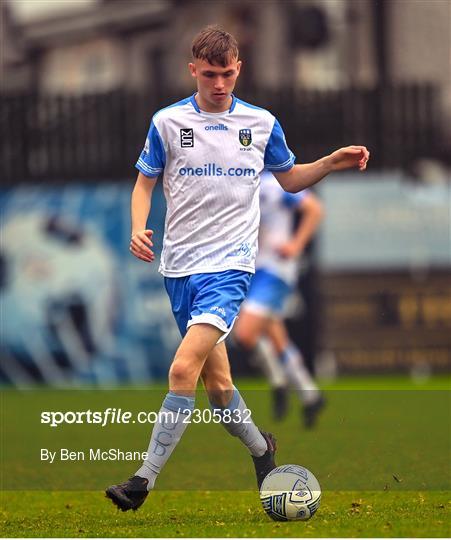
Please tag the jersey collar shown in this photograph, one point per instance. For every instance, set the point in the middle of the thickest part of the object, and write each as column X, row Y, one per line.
column 196, row 106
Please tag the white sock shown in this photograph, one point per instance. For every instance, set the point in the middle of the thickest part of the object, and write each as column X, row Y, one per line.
column 271, row 365
column 166, row 434
column 298, row 374
column 241, row 424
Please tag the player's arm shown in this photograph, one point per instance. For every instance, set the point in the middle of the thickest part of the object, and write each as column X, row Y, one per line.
column 141, row 240
column 305, row 175
column 312, row 215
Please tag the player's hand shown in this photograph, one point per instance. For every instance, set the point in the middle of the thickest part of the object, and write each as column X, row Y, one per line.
column 289, row 250
column 349, row 157
column 140, row 245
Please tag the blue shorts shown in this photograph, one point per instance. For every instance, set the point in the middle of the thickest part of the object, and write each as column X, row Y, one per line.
column 267, row 294
column 213, row 298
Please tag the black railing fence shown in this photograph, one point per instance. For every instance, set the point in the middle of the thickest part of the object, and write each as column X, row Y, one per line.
column 95, row 137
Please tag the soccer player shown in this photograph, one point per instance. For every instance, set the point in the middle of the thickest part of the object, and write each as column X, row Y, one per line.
column 210, row 149
column 261, row 315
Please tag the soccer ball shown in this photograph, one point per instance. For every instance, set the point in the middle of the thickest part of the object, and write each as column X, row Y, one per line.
column 290, row 493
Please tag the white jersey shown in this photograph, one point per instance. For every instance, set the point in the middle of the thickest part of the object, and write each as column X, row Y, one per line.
column 278, row 209
column 211, row 165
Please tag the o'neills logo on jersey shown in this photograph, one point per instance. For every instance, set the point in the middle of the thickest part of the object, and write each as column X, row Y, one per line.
column 245, row 136
column 187, row 138
column 217, row 127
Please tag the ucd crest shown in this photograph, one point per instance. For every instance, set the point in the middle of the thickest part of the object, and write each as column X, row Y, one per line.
column 245, row 137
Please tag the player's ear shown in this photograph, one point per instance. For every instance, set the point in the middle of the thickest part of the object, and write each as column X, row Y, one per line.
column 192, row 69
column 238, row 66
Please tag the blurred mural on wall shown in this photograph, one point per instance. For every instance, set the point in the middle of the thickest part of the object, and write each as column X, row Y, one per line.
column 76, row 305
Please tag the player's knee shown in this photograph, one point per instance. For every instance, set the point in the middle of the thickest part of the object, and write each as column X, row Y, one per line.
column 182, row 372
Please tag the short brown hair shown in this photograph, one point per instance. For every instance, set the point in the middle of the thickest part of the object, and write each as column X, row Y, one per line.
column 215, row 45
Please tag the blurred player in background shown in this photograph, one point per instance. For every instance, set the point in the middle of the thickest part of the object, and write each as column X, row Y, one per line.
column 261, row 314
column 211, row 149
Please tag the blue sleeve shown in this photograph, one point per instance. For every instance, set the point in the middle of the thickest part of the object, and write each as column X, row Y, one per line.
column 292, row 200
column 278, row 157
column 152, row 159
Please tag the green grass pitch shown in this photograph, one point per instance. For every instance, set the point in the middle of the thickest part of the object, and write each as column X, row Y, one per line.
column 381, row 452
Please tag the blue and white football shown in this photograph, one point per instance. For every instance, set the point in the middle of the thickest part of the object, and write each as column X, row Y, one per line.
column 290, row 493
